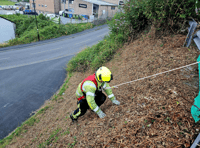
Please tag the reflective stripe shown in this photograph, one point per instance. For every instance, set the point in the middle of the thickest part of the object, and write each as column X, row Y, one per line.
column 110, row 96
column 78, row 93
column 104, row 86
column 96, row 109
column 90, row 94
column 88, row 83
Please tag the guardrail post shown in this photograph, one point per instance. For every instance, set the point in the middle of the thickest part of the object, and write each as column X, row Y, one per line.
column 191, row 30
column 197, row 140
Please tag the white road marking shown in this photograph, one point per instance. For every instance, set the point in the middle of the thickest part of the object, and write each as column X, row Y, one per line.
column 5, row 105
column 46, row 50
column 10, row 67
column 5, row 58
column 82, row 42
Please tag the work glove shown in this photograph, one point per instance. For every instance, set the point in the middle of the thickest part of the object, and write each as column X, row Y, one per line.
column 115, row 102
column 100, row 113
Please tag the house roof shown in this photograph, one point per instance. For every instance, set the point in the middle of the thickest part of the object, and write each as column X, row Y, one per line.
column 99, row 2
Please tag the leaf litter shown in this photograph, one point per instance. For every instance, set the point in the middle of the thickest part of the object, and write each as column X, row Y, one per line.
column 154, row 113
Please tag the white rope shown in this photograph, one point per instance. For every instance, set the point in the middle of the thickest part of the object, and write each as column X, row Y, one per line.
column 116, row 86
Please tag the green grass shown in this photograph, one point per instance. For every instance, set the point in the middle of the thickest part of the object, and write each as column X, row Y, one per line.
column 23, row 128
column 52, row 138
column 26, row 31
column 6, row 2
column 96, row 55
column 63, row 88
column 91, row 57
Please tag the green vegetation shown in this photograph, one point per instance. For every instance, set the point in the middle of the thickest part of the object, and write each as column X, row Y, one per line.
column 166, row 15
column 52, row 138
column 72, row 144
column 6, row 2
column 137, row 16
column 43, row 110
column 26, row 31
column 63, row 88
column 19, row 130
column 23, row 128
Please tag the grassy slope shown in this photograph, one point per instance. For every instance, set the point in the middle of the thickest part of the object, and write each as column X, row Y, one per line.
column 6, row 2
column 153, row 112
column 26, row 29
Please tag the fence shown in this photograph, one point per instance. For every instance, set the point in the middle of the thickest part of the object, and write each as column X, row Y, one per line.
column 95, row 21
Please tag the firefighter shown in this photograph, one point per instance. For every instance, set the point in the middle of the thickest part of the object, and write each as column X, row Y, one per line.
column 90, row 95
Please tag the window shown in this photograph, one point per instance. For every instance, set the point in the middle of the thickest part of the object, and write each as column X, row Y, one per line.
column 112, row 7
column 38, row 4
column 33, row 5
column 42, row 5
column 70, row 2
column 45, row 5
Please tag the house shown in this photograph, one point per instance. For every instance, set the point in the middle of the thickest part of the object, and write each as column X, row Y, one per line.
column 97, row 8
column 7, row 29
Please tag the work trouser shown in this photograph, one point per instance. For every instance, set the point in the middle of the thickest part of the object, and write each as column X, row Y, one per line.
column 83, row 106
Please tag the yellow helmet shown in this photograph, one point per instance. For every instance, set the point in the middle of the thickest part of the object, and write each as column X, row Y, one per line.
column 104, row 74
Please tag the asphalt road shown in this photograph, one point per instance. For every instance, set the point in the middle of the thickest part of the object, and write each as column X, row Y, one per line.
column 32, row 73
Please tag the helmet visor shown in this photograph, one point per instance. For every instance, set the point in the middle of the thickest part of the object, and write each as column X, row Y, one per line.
column 107, row 78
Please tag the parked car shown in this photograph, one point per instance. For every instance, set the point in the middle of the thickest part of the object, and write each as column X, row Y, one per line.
column 30, row 12
column 63, row 11
column 50, row 15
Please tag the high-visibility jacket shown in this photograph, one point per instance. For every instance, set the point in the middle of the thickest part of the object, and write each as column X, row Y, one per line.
column 89, row 86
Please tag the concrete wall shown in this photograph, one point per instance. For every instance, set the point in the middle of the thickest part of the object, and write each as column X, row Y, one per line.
column 108, row 11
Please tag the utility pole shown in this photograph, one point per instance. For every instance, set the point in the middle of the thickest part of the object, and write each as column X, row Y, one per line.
column 36, row 20
column 68, row 5
column 64, row 4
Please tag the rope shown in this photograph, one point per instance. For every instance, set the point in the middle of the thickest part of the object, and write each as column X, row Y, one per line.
column 116, row 86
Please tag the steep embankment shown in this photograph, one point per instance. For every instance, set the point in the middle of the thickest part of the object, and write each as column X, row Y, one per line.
column 153, row 112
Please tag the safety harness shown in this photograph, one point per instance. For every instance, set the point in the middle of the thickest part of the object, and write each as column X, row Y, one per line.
column 89, row 78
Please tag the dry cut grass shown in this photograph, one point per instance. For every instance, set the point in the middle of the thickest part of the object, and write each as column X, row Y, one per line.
column 153, row 113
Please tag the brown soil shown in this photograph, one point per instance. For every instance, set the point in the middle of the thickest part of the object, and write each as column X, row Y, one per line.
column 154, row 112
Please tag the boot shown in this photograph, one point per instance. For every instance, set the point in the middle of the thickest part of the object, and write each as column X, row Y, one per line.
column 73, row 119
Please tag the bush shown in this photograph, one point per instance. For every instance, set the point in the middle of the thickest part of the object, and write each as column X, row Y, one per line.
column 170, row 14
column 42, row 17
column 26, row 31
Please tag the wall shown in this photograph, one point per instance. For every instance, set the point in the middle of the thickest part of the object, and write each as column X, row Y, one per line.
column 77, row 9
column 57, row 6
column 108, row 11
column 7, row 30
column 112, row 1
column 48, row 9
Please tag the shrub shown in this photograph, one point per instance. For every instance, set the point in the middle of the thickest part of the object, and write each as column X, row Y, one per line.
column 42, row 17
column 170, row 14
